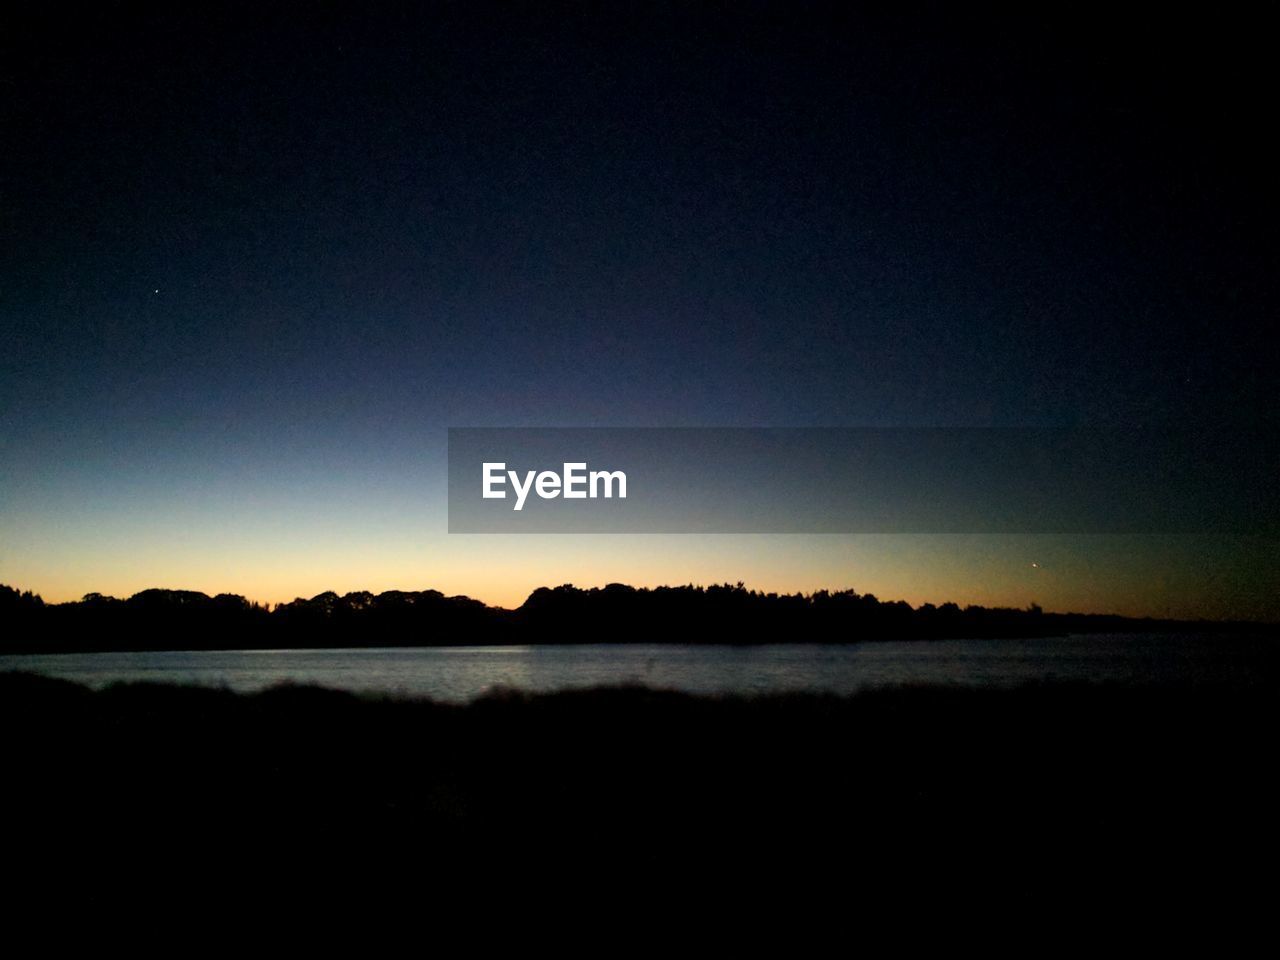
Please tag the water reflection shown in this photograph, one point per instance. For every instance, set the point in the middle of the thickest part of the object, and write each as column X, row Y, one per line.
column 463, row 673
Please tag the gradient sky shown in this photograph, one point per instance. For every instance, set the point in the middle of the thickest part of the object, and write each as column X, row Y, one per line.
column 253, row 264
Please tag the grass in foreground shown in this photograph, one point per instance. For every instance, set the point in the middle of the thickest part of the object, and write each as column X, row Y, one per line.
column 147, row 791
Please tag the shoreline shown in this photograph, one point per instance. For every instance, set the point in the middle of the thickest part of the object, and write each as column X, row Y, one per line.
column 1068, row 787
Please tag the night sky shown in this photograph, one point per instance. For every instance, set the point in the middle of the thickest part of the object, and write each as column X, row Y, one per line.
column 254, row 262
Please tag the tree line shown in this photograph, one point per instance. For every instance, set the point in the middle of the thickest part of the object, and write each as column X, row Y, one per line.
column 158, row 619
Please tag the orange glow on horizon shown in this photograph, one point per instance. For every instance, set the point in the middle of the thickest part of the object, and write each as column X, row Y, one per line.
column 1111, row 575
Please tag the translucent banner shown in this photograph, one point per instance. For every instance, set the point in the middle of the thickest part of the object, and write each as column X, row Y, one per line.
column 862, row 480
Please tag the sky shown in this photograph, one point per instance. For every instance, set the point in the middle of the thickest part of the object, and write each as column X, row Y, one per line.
column 256, row 259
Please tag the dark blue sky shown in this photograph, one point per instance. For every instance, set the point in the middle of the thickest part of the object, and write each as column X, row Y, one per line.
column 248, row 251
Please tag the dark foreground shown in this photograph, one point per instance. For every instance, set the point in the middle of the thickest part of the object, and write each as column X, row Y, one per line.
column 1073, row 798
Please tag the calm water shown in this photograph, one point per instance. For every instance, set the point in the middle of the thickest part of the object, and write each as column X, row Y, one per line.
column 462, row 673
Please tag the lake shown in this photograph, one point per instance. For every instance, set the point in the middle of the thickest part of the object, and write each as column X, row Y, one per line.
column 462, row 673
